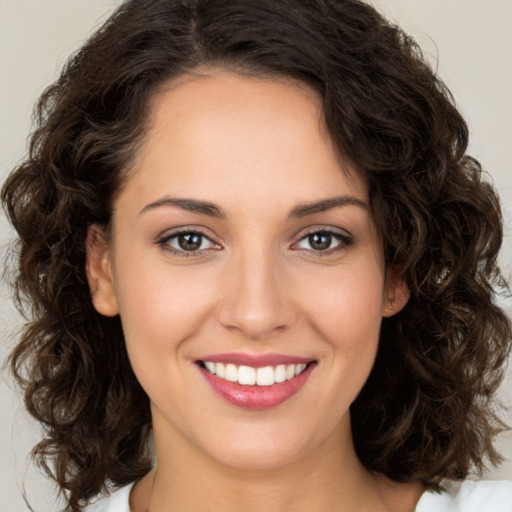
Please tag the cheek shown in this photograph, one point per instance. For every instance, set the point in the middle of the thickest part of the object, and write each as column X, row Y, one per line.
column 346, row 304
column 160, row 309
column 348, row 315
column 342, row 307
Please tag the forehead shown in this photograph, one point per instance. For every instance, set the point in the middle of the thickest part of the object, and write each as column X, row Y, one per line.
column 226, row 133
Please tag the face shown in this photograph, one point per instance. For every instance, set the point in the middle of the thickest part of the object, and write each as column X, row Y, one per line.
column 242, row 245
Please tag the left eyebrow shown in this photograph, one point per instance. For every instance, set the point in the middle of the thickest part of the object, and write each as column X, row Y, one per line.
column 190, row 205
column 302, row 210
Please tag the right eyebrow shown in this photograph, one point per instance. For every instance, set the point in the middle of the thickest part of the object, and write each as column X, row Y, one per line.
column 190, row 205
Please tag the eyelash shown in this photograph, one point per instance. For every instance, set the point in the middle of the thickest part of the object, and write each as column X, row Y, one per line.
column 164, row 242
column 344, row 241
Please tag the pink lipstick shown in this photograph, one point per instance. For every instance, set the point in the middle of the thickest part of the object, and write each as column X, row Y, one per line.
column 255, row 381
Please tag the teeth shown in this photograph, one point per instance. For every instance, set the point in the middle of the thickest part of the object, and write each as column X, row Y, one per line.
column 248, row 376
column 220, row 370
column 280, row 373
column 231, row 373
column 265, row 376
column 299, row 368
column 211, row 367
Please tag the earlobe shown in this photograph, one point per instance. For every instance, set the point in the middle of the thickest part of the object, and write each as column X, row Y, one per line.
column 99, row 272
column 397, row 293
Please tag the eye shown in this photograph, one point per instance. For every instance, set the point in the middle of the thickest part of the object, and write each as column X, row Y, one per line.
column 323, row 241
column 187, row 242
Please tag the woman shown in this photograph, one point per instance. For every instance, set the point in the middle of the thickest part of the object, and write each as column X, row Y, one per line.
column 249, row 230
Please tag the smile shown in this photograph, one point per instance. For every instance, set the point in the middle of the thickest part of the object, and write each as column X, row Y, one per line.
column 249, row 376
column 261, row 383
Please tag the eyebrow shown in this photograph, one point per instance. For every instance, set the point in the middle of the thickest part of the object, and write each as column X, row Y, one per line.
column 303, row 210
column 212, row 210
column 190, row 205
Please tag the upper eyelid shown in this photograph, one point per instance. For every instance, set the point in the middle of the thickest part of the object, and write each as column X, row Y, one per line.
column 344, row 237
column 305, row 232
column 170, row 233
column 164, row 240
column 323, row 229
column 167, row 236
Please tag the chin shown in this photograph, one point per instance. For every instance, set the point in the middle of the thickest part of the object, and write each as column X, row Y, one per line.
column 262, row 451
column 257, row 458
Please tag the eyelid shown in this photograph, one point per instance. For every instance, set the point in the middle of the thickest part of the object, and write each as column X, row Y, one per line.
column 162, row 241
column 346, row 239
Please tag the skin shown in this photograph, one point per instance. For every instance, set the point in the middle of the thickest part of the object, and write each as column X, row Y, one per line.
column 256, row 149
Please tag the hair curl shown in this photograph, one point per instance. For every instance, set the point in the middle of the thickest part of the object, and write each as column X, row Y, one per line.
column 426, row 411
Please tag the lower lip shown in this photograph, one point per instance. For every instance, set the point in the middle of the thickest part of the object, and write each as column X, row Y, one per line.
column 257, row 397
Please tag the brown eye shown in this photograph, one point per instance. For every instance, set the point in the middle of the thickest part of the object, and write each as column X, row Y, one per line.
column 320, row 241
column 190, row 241
column 187, row 242
column 324, row 241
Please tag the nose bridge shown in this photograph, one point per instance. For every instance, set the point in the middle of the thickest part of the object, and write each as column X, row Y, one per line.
column 253, row 302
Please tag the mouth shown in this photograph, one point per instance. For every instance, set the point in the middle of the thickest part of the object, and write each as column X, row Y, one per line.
column 256, row 387
column 249, row 376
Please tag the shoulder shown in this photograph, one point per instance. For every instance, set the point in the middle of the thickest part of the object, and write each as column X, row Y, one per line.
column 117, row 501
column 469, row 496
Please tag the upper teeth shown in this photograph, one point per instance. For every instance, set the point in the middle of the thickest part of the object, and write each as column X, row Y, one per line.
column 249, row 376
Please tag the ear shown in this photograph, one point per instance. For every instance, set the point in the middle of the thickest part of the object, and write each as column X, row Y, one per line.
column 396, row 293
column 99, row 272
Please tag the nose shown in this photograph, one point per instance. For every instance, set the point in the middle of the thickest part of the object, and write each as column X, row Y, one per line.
column 256, row 300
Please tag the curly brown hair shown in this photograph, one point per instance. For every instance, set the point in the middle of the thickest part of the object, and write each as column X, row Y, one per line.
column 427, row 410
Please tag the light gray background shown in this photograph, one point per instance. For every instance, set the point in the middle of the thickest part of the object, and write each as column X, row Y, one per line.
column 470, row 39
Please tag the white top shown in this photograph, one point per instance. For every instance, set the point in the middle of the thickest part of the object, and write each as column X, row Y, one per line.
column 467, row 496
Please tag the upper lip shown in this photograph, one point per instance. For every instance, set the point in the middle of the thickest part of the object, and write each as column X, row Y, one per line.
column 255, row 360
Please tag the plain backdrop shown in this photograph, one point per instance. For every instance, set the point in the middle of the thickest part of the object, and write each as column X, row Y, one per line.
column 470, row 42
